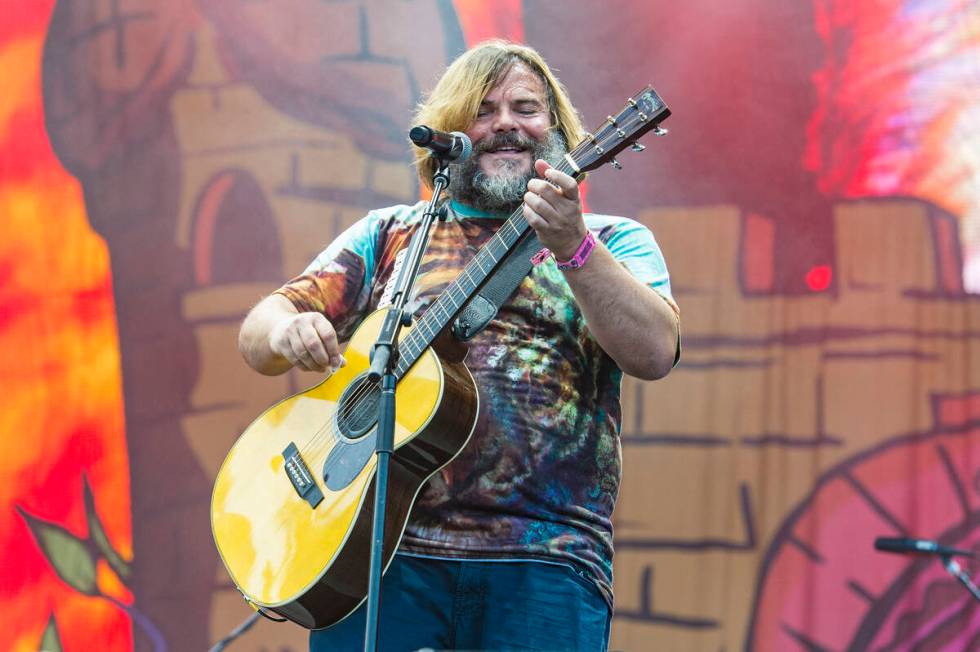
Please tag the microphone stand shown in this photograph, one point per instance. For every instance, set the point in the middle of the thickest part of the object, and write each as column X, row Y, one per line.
column 957, row 571
column 384, row 360
column 235, row 633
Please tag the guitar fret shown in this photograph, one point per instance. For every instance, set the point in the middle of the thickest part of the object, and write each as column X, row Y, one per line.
column 480, row 264
column 452, row 295
column 466, row 274
column 411, row 351
column 493, row 251
column 488, row 252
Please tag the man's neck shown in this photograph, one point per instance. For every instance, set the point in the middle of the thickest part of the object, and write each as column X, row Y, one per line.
column 466, row 210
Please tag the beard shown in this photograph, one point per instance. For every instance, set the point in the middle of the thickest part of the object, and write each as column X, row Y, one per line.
column 503, row 191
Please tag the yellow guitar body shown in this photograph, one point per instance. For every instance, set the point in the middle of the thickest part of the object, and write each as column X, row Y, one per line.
column 310, row 563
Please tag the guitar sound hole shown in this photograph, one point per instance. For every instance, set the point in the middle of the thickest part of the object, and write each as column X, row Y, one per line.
column 358, row 410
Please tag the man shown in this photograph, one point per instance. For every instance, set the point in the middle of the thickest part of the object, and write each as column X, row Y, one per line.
column 510, row 545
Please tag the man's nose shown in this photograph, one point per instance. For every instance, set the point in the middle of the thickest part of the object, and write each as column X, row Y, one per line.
column 505, row 120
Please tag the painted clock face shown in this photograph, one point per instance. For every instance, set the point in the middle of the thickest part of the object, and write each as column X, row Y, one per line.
column 824, row 554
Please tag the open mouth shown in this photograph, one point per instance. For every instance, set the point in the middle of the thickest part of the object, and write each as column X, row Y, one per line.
column 507, row 150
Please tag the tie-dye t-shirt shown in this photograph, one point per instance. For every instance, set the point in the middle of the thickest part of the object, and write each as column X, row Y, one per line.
column 539, row 477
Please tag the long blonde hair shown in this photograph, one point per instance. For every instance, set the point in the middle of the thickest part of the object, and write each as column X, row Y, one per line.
column 453, row 103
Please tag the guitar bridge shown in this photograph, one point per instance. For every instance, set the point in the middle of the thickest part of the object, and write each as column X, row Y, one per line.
column 300, row 477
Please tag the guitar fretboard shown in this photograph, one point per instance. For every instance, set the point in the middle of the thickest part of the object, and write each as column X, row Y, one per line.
column 458, row 293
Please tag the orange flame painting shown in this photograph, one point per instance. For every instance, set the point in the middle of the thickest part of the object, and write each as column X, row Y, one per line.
column 65, row 528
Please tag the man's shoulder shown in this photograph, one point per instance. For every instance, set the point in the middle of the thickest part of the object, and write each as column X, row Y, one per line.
column 399, row 213
column 361, row 238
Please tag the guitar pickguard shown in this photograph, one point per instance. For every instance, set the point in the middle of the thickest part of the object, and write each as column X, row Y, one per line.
column 347, row 459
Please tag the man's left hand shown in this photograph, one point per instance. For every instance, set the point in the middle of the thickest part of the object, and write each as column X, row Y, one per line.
column 553, row 209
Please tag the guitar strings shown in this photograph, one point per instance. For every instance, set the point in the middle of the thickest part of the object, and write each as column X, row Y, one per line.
column 605, row 134
column 356, row 407
column 357, row 404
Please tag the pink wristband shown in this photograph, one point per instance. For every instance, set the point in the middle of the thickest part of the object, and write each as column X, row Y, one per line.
column 581, row 254
column 577, row 260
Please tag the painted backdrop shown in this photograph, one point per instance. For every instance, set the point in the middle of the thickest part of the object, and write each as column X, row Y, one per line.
column 165, row 164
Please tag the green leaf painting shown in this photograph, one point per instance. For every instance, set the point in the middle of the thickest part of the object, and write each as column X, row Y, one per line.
column 98, row 536
column 70, row 557
column 74, row 559
column 50, row 641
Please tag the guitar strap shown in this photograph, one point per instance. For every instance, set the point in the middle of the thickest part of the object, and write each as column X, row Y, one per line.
column 497, row 290
column 500, row 286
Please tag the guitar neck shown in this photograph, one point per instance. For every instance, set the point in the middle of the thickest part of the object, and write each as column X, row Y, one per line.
column 642, row 113
column 473, row 277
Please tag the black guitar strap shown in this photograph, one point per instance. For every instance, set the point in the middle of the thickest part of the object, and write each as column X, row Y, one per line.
column 500, row 286
column 497, row 290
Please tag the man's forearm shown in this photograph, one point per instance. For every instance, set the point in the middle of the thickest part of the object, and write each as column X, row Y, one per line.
column 253, row 338
column 632, row 323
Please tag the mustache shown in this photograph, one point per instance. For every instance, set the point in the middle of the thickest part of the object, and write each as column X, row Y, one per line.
column 502, row 192
column 507, row 139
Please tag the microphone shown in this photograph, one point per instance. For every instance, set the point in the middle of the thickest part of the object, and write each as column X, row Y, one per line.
column 454, row 146
column 906, row 546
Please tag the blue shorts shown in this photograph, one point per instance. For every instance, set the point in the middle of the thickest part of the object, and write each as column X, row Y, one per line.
column 478, row 605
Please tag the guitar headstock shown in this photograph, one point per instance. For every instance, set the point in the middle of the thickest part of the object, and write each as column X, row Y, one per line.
column 643, row 112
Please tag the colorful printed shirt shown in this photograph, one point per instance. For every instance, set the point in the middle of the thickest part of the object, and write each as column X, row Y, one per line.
column 540, row 475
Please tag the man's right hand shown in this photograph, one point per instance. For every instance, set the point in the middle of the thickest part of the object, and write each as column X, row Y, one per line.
column 274, row 338
column 307, row 340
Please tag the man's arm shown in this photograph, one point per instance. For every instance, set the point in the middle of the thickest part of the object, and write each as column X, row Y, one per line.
column 275, row 337
column 631, row 322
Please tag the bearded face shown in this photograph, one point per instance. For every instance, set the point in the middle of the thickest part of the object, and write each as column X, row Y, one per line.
column 498, row 186
column 512, row 128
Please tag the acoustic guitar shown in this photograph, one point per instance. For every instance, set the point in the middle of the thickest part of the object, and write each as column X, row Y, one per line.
column 292, row 507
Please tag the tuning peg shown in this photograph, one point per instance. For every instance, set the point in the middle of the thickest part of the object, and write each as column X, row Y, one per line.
column 616, row 164
column 659, row 131
column 637, row 147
